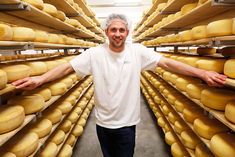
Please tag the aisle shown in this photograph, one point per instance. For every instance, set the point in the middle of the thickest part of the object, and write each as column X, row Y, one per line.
column 149, row 141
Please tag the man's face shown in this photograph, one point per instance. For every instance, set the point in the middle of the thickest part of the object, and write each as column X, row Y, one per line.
column 117, row 33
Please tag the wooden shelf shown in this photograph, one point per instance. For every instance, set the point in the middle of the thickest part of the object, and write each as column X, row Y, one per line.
column 176, row 5
column 217, row 114
column 84, row 7
column 64, row 6
column 7, row 89
column 5, row 137
column 203, row 12
column 205, row 141
column 56, row 46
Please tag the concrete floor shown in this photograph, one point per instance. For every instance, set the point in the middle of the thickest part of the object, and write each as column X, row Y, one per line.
column 149, row 141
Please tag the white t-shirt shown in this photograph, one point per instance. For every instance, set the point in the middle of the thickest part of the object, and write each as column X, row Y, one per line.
column 116, row 78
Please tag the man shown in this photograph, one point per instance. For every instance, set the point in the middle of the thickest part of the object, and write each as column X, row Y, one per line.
column 116, row 69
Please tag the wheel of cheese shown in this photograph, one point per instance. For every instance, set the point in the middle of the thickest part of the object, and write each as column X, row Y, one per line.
column 216, row 65
column 76, row 93
column 78, row 110
column 199, row 32
column 82, row 122
column 54, row 115
column 186, row 35
column 23, row 34
column 41, row 36
column 65, row 126
column 36, row 3
column 51, row 64
column 57, row 89
column 8, row 154
column 70, row 41
column 220, row 28
column 37, row 68
column 192, row 113
column 172, row 117
column 64, row 107
column 58, row 137
column 3, row 79
column 191, row 61
column 181, row 104
column 206, row 127
column 178, row 150
column 161, row 122
column 223, row 144
column 71, row 140
column 11, row 117
column 71, row 99
column 66, row 151
column 50, row 150
column 72, row 22
column 53, row 38
column 16, row 72
column 44, row 92
column 217, row 98
column 194, row 90
column 170, row 138
column 73, row 117
column 202, row 151
column 180, row 126
column 6, row 32
column 60, row 15
column 182, row 82
column 77, row 130
column 187, row 8
column 190, row 139
column 50, row 9
column 23, row 144
column 229, row 68
column 166, row 75
column 206, row 50
column 85, row 115
column 30, row 103
column 82, row 104
column 73, row 77
column 230, row 111
column 42, row 127
column 228, row 51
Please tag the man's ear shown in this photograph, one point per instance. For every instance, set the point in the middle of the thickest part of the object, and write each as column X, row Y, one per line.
column 106, row 32
column 128, row 32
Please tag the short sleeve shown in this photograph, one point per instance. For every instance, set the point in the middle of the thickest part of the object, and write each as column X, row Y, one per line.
column 82, row 63
column 149, row 58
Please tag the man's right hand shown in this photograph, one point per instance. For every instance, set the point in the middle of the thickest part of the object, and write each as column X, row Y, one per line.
column 28, row 83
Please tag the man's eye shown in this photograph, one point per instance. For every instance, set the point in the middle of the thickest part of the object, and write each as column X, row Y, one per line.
column 113, row 30
column 122, row 30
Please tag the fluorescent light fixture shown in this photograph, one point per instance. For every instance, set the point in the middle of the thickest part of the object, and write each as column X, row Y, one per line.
column 127, row 1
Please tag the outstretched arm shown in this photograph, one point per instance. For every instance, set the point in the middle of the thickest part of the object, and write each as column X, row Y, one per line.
column 29, row 83
column 210, row 77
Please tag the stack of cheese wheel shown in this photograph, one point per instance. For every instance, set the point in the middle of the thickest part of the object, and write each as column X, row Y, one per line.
column 31, row 103
column 11, row 117
column 206, row 127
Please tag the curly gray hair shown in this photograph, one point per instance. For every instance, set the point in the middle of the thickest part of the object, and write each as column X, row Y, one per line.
column 105, row 24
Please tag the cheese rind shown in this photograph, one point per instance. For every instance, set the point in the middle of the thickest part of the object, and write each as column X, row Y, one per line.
column 37, row 68
column 66, row 151
column 190, row 139
column 77, row 130
column 3, row 79
column 199, row 32
column 216, row 65
column 36, row 3
column 169, row 138
column 58, row 137
column 42, row 127
column 50, row 9
column 50, row 150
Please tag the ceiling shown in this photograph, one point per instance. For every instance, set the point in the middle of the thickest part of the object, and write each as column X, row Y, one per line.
column 132, row 8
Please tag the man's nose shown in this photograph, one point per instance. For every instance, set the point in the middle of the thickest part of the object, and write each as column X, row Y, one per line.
column 117, row 33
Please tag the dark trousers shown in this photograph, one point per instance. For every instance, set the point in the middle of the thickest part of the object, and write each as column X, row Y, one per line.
column 117, row 142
